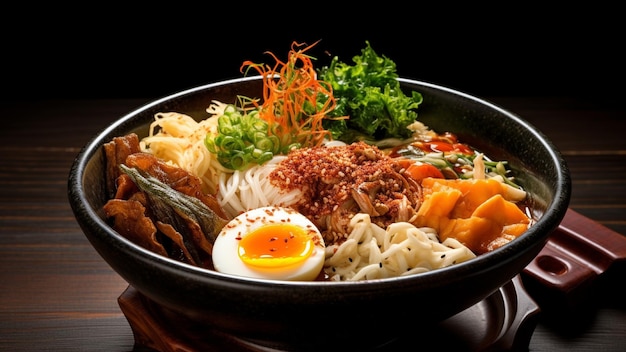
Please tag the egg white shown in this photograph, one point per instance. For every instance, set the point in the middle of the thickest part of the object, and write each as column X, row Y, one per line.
column 226, row 246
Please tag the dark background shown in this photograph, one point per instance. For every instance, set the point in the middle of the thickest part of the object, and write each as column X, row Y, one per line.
column 115, row 52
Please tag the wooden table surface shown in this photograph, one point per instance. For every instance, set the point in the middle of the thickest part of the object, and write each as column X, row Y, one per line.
column 57, row 294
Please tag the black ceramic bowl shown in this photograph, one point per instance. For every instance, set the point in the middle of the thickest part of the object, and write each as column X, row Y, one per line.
column 322, row 314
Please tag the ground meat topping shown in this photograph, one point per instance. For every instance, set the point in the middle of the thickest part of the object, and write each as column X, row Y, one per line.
column 346, row 180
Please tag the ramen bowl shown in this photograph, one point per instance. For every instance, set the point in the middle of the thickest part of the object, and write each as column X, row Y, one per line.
column 318, row 314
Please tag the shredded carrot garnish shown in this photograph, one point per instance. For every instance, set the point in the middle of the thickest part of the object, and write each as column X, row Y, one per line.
column 290, row 99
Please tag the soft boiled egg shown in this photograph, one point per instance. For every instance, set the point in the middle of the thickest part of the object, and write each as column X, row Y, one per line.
column 270, row 243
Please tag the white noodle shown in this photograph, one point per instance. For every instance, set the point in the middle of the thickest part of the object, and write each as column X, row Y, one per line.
column 371, row 252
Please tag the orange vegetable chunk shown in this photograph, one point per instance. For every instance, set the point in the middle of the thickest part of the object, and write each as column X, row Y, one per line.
column 475, row 212
column 500, row 211
column 473, row 232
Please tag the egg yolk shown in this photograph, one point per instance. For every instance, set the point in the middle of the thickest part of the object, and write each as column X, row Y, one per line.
column 275, row 245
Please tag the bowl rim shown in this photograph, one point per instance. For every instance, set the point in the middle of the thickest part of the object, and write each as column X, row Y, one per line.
column 548, row 222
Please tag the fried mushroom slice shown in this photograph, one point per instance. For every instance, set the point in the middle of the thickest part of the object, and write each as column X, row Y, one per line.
column 178, row 251
column 115, row 152
column 130, row 220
